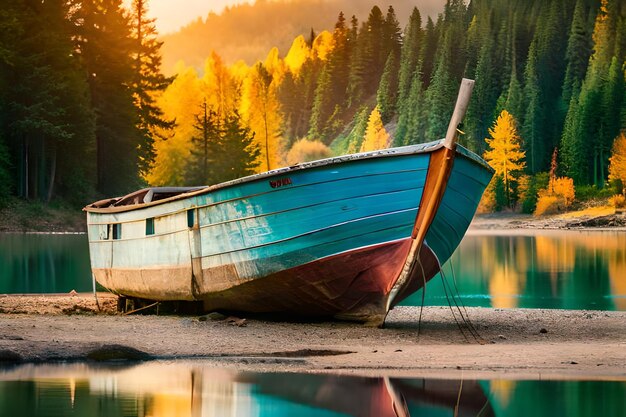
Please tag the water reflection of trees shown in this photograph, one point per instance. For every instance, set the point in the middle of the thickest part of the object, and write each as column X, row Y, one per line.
column 44, row 263
column 548, row 269
column 561, row 269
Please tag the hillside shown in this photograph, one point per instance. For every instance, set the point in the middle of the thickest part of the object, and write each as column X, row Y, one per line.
column 248, row 32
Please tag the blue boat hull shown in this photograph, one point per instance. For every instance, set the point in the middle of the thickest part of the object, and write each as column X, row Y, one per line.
column 339, row 237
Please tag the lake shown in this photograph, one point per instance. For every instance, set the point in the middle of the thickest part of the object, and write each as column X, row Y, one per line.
column 505, row 269
column 193, row 388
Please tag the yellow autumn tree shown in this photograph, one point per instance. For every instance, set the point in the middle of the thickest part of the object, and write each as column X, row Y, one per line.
column 297, row 55
column 558, row 196
column 505, row 154
column 617, row 162
column 322, row 45
column 260, row 108
column 219, row 88
column 180, row 101
column 376, row 137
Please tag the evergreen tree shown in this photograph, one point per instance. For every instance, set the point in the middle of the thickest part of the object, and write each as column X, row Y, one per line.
column 578, row 50
column 357, row 133
column 106, row 50
column 368, row 58
column 411, row 120
column 148, row 82
column 484, row 96
column 441, row 92
column 428, row 51
column 386, row 96
column 238, row 153
column 392, row 36
column 409, row 55
column 49, row 120
column 330, row 95
column 203, row 167
column 535, row 113
column 573, row 149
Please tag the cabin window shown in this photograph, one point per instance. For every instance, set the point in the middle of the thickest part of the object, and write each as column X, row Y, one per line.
column 191, row 217
column 117, row 231
column 150, row 226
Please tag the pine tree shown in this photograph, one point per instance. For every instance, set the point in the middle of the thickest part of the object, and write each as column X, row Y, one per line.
column 202, row 168
column 429, row 50
column 409, row 55
column 573, row 148
column 330, row 95
column 368, row 58
column 578, row 51
column 148, row 82
column 411, row 121
column 105, row 47
column 441, row 92
column 386, row 96
column 357, row 133
column 484, row 96
column 49, row 120
column 535, row 113
column 238, row 153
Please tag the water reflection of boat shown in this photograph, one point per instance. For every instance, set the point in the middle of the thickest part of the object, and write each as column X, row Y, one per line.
column 348, row 237
column 185, row 389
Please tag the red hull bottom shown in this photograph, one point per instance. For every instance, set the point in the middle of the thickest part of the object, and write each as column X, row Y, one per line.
column 353, row 285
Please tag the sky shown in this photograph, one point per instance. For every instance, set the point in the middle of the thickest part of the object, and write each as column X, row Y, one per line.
column 171, row 15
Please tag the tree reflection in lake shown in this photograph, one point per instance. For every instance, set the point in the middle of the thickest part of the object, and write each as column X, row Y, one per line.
column 160, row 389
column 199, row 389
column 537, row 269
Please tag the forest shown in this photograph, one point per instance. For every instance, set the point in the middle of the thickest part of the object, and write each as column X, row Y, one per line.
column 85, row 110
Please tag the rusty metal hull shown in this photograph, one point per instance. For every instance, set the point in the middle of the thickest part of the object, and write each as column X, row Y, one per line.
column 345, row 237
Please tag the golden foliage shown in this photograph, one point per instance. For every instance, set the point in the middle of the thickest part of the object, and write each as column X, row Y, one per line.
column 617, row 161
column 297, row 55
column 504, row 154
column 260, row 108
column 487, row 202
column 180, row 101
column 558, row 197
column 564, row 188
column 323, row 45
column 547, row 204
column 376, row 137
column 618, row 201
column 218, row 86
column 307, row 150
column 523, row 187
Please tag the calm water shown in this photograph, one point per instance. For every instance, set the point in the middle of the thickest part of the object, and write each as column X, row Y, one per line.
column 160, row 389
column 551, row 269
column 543, row 269
column 44, row 263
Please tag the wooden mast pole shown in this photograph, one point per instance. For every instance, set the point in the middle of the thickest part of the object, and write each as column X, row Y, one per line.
column 460, row 108
column 439, row 170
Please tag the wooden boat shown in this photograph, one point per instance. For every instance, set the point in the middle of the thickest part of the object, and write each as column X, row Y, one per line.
column 347, row 237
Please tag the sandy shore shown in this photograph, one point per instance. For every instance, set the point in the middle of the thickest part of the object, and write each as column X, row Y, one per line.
column 514, row 343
